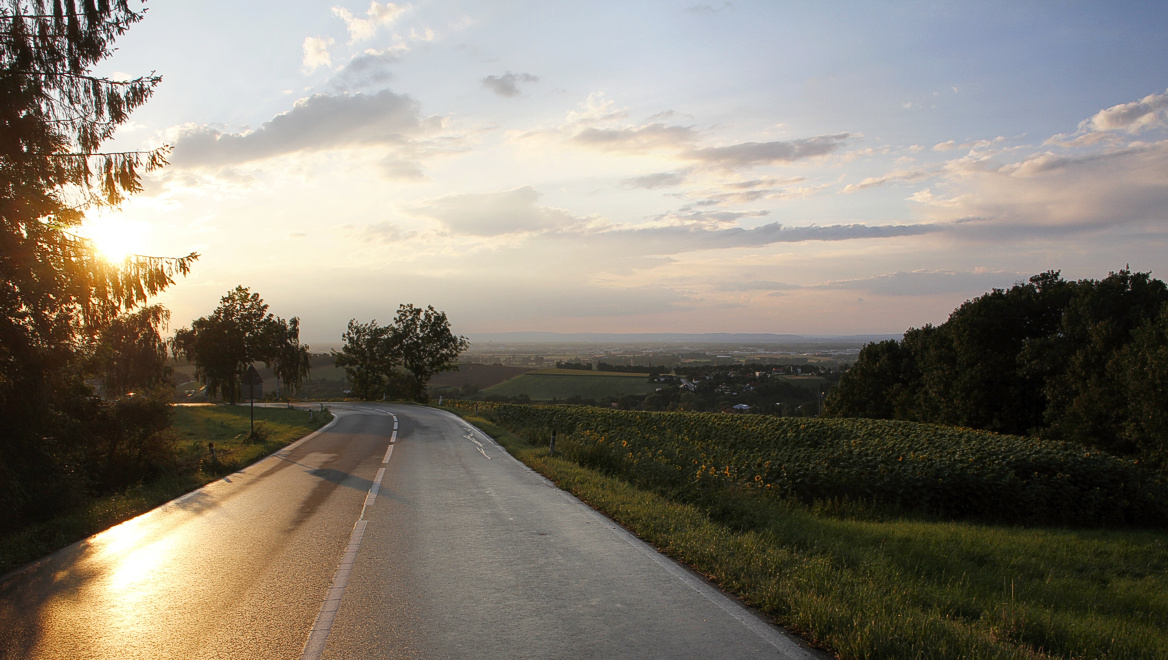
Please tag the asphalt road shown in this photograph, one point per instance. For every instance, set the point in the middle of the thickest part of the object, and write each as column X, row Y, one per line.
column 397, row 532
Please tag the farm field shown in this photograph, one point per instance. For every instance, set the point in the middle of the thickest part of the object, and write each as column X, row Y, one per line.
column 480, row 375
column 553, row 384
column 862, row 573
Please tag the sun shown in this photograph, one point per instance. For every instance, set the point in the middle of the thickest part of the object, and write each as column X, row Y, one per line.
column 115, row 238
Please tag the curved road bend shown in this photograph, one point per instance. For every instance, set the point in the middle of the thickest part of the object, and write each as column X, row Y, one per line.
column 396, row 532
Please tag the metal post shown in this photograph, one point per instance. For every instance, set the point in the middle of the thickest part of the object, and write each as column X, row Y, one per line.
column 552, row 446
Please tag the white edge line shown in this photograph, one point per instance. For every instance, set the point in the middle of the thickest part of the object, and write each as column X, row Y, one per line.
column 314, row 646
column 781, row 640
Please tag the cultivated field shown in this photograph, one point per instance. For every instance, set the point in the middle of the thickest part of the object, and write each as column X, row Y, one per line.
column 880, row 539
column 561, row 384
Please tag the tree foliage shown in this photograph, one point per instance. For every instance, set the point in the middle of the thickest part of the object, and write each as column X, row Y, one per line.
column 419, row 341
column 240, row 332
column 57, row 294
column 367, row 357
column 426, row 346
column 1048, row 357
column 130, row 354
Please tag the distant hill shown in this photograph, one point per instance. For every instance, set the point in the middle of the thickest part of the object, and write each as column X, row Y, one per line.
column 669, row 338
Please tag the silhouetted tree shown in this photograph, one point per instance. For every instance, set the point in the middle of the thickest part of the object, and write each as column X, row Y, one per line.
column 367, row 357
column 423, row 340
column 56, row 292
column 240, row 332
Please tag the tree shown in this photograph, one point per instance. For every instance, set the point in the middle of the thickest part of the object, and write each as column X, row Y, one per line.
column 240, row 332
column 289, row 360
column 423, row 339
column 130, row 354
column 1143, row 367
column 419, row 340
column 1078, row 361
column 367, row 357
column 56, row 292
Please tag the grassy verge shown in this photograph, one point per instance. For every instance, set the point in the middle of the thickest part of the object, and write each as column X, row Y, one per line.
column 227, row 427
column 869, row 584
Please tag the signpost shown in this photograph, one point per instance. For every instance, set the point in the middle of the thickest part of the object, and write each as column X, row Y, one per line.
column 252, row 378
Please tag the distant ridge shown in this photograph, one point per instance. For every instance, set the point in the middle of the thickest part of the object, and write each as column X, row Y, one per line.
column 668, row 338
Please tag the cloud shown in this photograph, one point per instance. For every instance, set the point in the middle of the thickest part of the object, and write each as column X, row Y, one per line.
column 1134, row 117
column 897, row 175
column 1047, row 194
column 384, row 232
column 378, row 15
column 316, row 123
column 705, row 9
column 493, row 214
column 928, row 282
column 369, row 69
column 507, row 84
column 636, row 138
column 316, row 54
column 657, row 180
column 747, row 154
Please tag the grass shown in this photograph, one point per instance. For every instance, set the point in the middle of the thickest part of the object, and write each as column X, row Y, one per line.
column 874, row 584
column 227, row 427
column 553, row 384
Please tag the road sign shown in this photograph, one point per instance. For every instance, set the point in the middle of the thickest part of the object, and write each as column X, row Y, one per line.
column 252, row 377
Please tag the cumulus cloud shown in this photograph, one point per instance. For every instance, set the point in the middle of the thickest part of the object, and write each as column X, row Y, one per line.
column 378, row 15
column 1150, row 111
column 493, row 214
column 316, row 53
column 316, row 123
column 508, row 83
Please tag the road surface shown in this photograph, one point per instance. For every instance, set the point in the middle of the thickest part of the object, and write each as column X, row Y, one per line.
column 396, row 532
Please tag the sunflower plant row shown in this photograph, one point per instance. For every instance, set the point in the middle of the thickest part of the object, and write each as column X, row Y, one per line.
column 940, row 470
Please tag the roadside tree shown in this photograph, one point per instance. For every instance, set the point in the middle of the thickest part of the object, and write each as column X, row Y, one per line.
column 130, row 354
column 240, row 332
column 419, row 341
column 423, row 339
column 57, row 293
column 367, row 358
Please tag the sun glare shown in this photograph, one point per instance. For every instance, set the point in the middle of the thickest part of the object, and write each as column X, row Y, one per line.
column 115, row 238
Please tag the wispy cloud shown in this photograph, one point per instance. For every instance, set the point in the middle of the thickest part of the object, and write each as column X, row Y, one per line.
column 319, row 122
column 928, row 282
column 748, row 154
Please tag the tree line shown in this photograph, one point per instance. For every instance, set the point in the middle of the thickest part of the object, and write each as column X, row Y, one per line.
column 1083, row 361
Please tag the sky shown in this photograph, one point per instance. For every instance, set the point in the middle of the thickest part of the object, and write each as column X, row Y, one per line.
column 828, row 168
